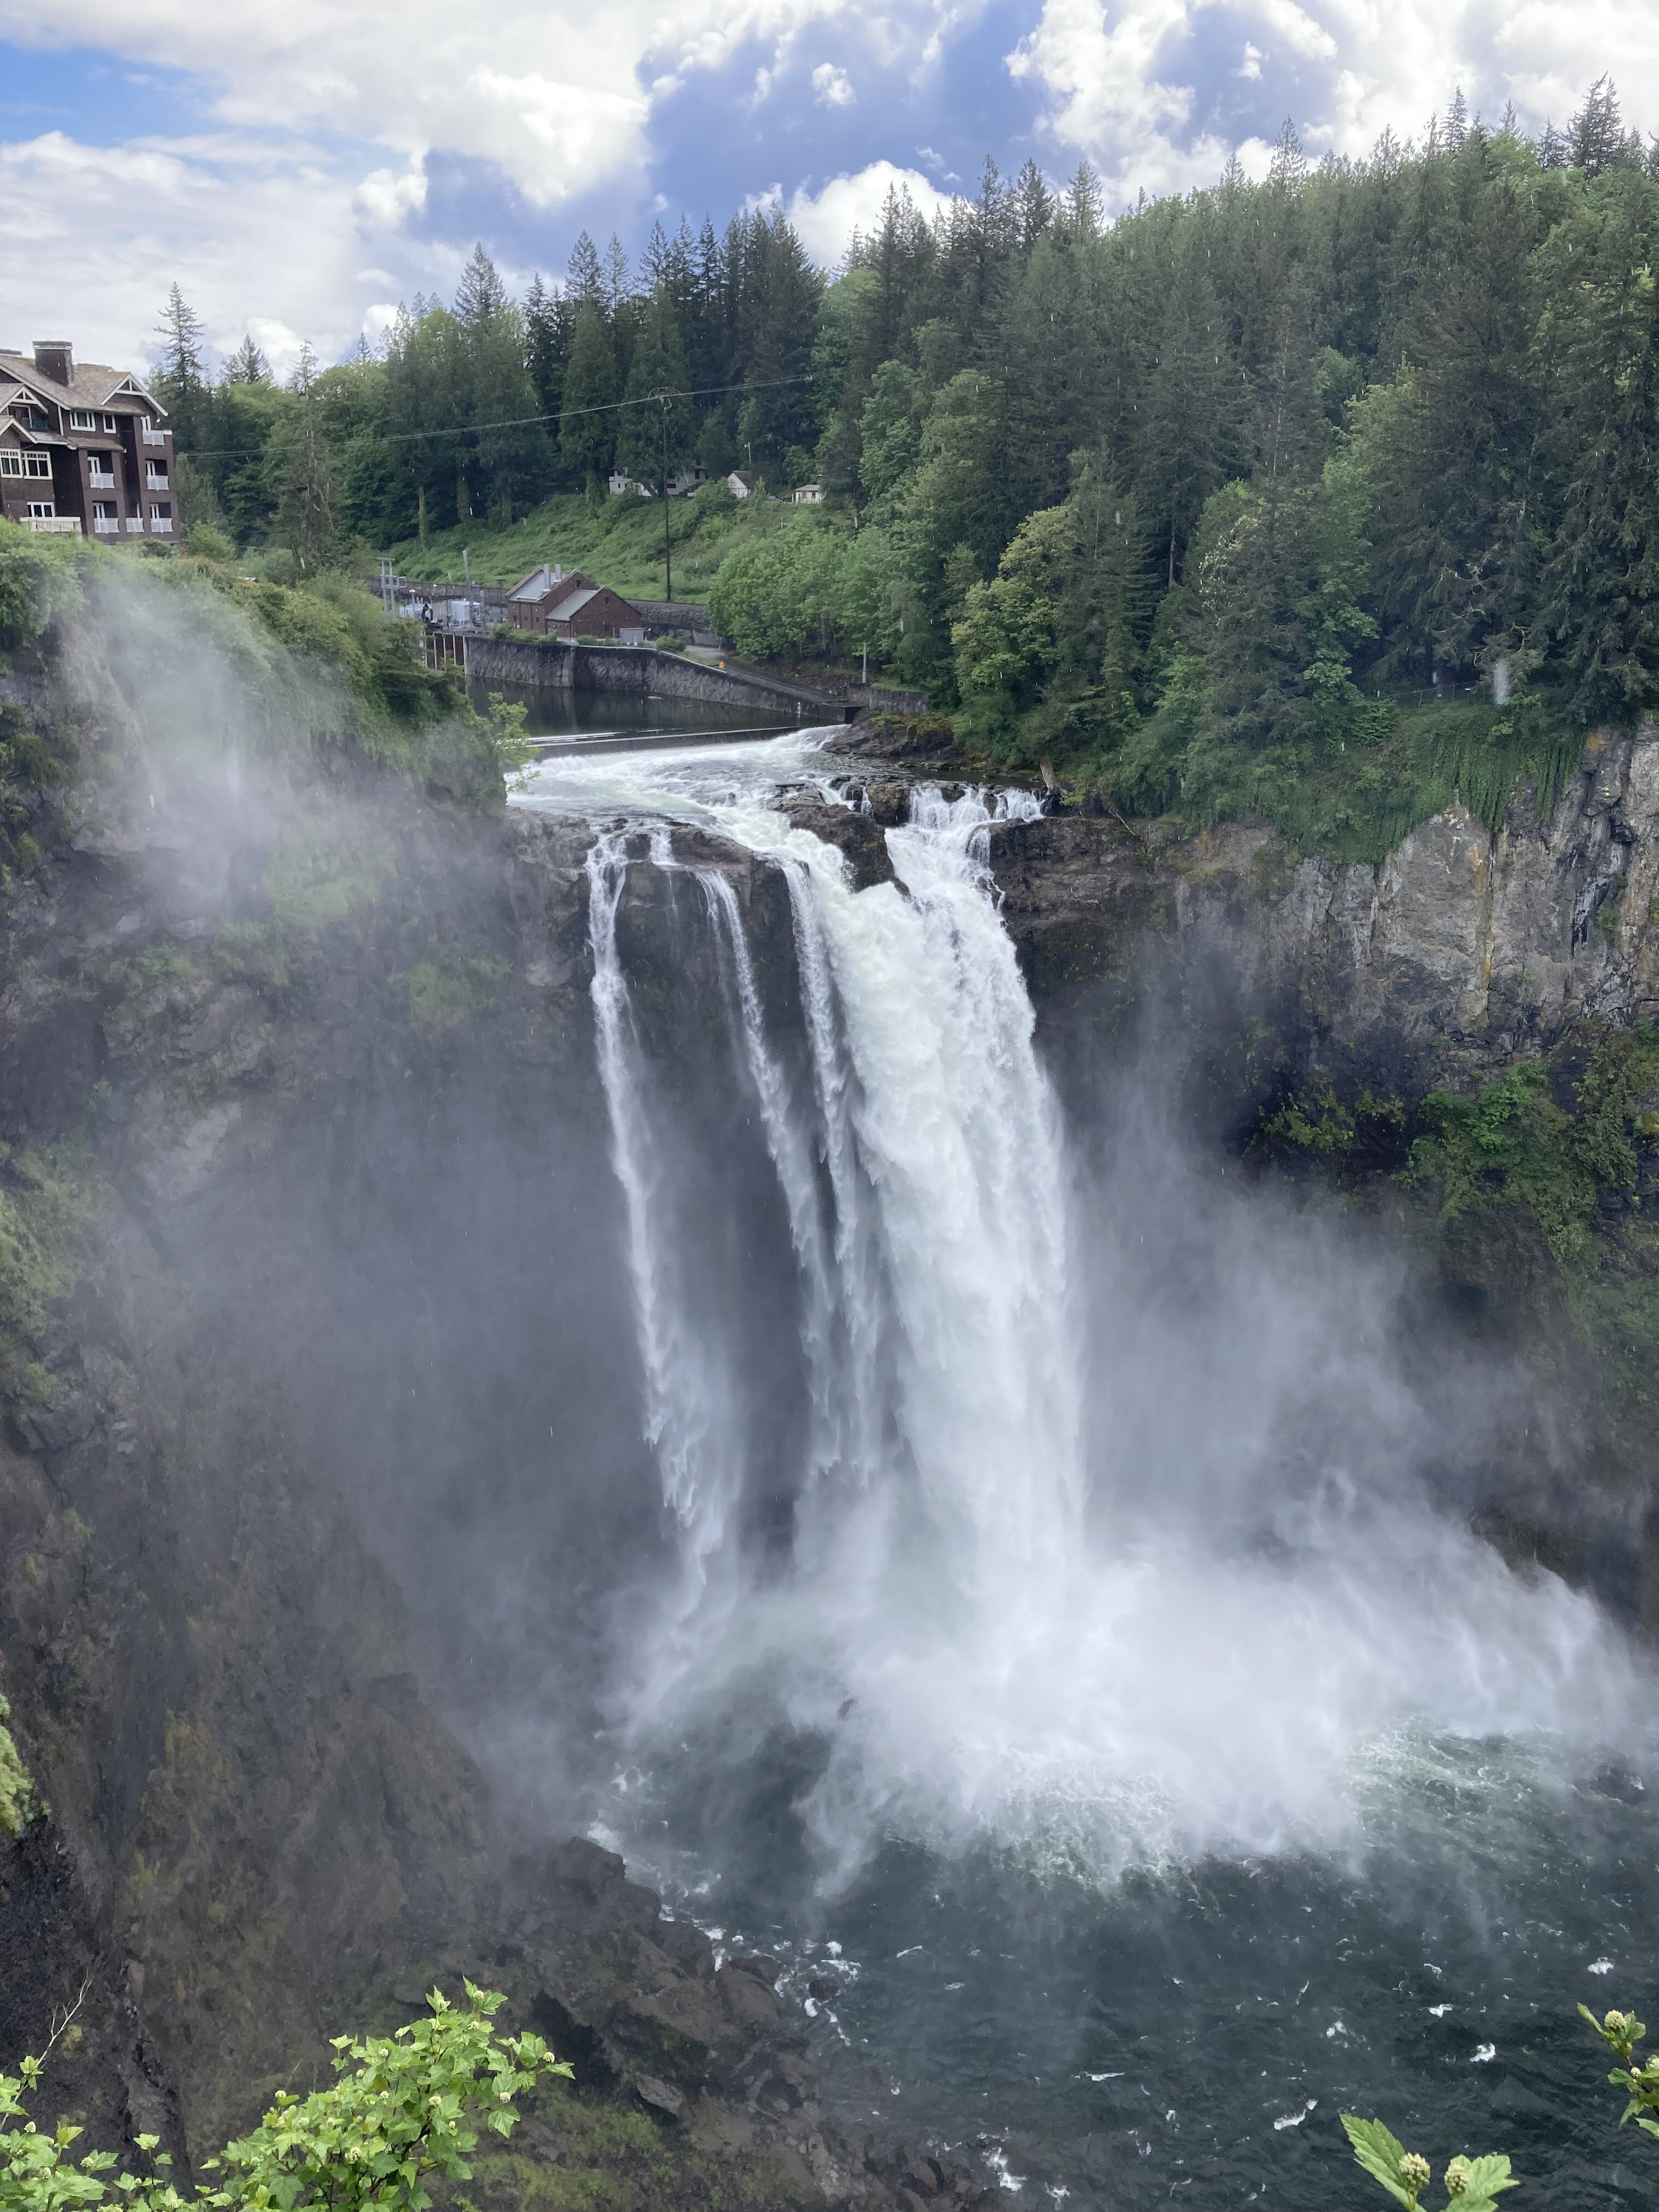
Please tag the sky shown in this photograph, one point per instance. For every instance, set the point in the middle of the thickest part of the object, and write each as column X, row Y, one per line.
column 299, row 169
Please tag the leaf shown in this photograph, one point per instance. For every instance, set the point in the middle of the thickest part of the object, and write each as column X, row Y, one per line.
column 1379, row 2152
column 1487, row 2177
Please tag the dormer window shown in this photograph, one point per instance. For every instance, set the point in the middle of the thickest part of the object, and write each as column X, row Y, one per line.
column 109, row 426
column 81, row 419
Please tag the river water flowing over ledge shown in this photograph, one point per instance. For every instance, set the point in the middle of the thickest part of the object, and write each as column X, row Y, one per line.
column 1064, row 1665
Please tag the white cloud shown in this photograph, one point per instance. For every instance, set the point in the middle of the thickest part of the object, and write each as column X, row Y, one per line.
column 227, row 221
column 549, row 93
column 831, row 87
column 387, row 196
column 826, row 219
column 1124, row 85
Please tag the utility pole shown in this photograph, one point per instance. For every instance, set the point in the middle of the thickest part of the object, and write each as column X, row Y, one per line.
column 664, row 402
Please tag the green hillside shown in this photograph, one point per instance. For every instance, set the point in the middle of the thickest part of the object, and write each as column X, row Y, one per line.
column 617, row 542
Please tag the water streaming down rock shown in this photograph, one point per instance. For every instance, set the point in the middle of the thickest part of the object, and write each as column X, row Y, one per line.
column 1223, row 1668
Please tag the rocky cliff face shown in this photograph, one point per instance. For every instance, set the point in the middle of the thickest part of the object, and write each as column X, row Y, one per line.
column 1467, row 945
column 297, row 1112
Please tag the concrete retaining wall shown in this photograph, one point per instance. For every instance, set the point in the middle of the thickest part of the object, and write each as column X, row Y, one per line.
column 558, row 665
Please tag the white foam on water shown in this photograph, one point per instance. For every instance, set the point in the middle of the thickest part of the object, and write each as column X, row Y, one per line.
column 983, row 1656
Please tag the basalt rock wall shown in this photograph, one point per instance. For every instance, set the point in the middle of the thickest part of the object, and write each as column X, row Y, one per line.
column 301, row 1136
column 1467, row 945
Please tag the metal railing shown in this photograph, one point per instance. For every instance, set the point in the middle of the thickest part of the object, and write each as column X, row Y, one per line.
column 54, row 526
column 106, row 525
column 153, row 437
column 101, row 479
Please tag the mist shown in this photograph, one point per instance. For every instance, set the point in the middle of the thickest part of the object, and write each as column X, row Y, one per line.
column 1126, row 1513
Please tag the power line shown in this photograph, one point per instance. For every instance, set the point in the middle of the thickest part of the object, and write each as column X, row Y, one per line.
column 521, row 422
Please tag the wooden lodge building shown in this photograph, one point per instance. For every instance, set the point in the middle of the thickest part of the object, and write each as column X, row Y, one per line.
column 83, row 450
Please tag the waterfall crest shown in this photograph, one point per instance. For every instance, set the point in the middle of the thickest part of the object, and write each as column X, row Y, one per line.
column 990, row 1622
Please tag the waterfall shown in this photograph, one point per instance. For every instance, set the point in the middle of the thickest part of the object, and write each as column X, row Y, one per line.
column 924, row 1182
column 1172, row 1625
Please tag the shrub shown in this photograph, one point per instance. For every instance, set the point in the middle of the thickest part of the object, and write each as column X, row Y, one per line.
column 402, row 2109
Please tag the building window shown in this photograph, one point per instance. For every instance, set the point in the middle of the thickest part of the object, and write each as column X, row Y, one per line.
column 80, row 420
column 100, row 474
column 109, row 426
column 12, row 463
column 160, row 515
column 37, row 464
column 41, row 510
column 105, row 522
column 157, row 478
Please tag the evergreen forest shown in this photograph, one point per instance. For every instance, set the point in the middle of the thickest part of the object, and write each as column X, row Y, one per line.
column 1317, row 498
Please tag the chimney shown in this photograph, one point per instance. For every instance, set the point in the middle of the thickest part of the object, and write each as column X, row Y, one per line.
column 55, row 357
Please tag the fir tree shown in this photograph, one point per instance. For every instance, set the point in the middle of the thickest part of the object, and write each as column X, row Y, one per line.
column 248, row 365
column 587, row 429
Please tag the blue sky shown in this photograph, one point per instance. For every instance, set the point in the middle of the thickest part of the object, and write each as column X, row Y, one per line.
column 299, row 170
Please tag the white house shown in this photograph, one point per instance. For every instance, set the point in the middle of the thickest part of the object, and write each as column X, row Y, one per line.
column 621, row 485
column 808, row 495
column 740, row 483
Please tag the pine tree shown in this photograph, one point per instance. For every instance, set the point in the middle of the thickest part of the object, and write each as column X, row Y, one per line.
column 1596, row 137
column 179, row 360
column 248, row 365
column 180, row 371
column 1457, row 122
column 618, row 282
column 1453, row 478
column 586, row 275
column 1035, row 203
column 649, row 430
column 480, row 295
column 547, row 339
column 1600, row 589
column 587, row 429
column 1289, row 167
column 1185, row 436
column 1084, row 203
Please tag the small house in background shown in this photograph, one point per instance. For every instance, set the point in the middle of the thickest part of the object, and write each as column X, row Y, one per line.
column 740, row 483
column 685, row 482
column 620, row 485
column 808, row 495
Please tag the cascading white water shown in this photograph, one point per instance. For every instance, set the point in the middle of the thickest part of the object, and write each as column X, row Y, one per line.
column 978, row 1656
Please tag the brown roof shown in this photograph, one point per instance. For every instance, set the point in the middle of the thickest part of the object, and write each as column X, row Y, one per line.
column 92, row 386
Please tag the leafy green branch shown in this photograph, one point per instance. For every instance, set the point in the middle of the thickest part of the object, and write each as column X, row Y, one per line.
column 1473, row 2184
column 402, row 2109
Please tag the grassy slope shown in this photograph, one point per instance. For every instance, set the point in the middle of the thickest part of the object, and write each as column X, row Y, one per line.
column 619, row 541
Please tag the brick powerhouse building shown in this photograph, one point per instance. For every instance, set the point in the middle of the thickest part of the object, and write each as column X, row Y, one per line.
column 563, row 603
column 83, row 449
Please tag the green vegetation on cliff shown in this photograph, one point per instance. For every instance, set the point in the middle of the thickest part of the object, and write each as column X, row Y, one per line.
column 17, row 1805
column 49, row 1195
column 313, row 665
column 1540, row 1192
column 403, row 2110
